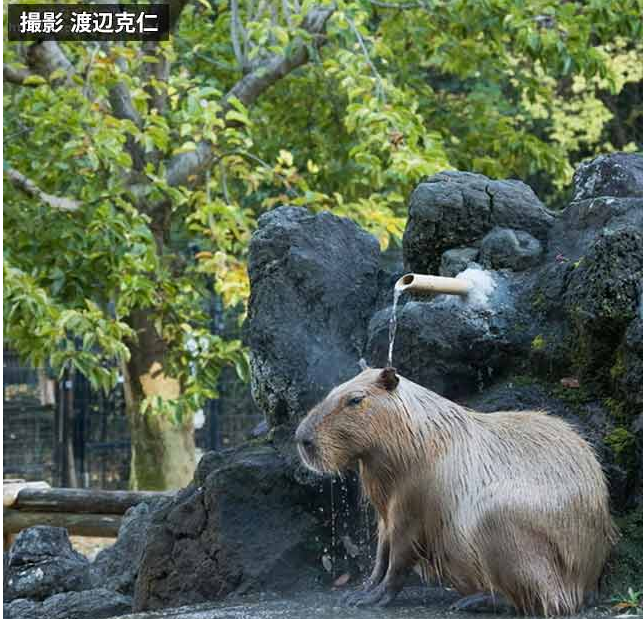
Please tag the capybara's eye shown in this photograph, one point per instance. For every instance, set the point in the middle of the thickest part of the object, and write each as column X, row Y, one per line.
column 355, row 400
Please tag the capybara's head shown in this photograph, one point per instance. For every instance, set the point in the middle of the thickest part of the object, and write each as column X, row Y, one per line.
column 341, row 429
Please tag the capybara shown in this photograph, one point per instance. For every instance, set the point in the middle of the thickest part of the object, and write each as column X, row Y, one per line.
column 509, row 505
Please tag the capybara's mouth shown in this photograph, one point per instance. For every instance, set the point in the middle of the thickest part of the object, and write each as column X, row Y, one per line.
column 309, row 456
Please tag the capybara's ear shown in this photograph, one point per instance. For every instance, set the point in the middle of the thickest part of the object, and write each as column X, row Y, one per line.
column 362, row 364
column 388, row 378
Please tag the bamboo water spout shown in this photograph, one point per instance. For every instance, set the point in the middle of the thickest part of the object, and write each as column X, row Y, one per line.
column 427, row 284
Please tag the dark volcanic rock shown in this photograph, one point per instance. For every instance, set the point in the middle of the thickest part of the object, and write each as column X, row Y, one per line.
column 116, row 567
column 450, row 346
column 604, row 287
column 91, row 604
column 454, row 209
column 456, row 260
column 42, row 562
column 601, row 299
column 637, row 428
column 630, row 376
column 314, row 283
column 504, row 248
column 616, row 175
column 245, row 524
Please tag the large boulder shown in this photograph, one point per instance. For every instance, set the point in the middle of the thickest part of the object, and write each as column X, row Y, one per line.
column 504, row 248
column 614, row 175
column 452, row 346
column 41, row 562
column 91, row 604
column 314, row 284
column 249, row 522
column 602, row 298
column 455, row 209
column 456, row 260
column 116, row 567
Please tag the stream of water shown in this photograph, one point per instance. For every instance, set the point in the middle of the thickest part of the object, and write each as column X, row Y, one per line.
column 392, row 326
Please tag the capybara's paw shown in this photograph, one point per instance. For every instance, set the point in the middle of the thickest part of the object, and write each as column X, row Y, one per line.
column 480, row 603
column 350, row 598
column 378, row 596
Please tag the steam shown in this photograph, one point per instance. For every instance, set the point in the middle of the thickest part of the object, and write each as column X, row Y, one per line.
column 482, row 286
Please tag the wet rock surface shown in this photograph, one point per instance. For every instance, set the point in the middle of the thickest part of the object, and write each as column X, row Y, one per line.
column 249, row 522
column 116, row 567
column 451, row 346
column 413, row 603
column 314, row 287
column 90, row 604
column 41, row 562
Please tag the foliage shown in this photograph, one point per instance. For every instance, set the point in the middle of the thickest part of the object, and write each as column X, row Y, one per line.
column 501, row 87
column 628, row 604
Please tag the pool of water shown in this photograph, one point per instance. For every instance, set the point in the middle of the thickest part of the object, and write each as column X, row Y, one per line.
column 415, row 603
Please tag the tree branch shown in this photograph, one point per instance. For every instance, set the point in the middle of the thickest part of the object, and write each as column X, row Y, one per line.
column 235, row 30
column 159, row 71
column 247, row 90
column 15, row 75
column 401, row 6
column 379, row 89
column 27, row 186
column 45, row 57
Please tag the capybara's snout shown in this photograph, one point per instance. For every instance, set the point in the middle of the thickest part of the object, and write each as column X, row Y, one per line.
column 305, row 440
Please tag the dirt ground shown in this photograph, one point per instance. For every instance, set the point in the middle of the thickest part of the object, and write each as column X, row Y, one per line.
column 90, row 546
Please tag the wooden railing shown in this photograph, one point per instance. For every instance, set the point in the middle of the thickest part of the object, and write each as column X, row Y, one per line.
column 92, row 513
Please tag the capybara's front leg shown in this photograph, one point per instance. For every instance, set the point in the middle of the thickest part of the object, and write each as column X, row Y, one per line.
column 402, row 558
column 379, row 570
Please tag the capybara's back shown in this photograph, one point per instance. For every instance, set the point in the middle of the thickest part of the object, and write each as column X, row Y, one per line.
column 530, row 512
column 510, row 504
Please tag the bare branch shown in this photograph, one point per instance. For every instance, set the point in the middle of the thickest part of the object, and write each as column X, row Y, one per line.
column 184, row 165
column 381, row 94
column 275, row 67
column 20, row 181
column 235, row 30
column 15, row 75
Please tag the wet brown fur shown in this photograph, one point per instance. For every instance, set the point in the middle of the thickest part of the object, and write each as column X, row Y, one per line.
column 509, row 502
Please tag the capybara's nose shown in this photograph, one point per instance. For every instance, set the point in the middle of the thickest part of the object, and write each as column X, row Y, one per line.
column 304, row 440
column 301, row 434
column 307, row 447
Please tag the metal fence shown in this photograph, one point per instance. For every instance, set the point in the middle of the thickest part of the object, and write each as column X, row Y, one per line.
column 66, row 433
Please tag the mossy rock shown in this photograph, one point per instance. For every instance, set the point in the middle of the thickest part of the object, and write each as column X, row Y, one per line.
column 603, row 289
column 625, row 569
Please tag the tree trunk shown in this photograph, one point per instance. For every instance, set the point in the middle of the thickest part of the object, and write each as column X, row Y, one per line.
column 162, row 450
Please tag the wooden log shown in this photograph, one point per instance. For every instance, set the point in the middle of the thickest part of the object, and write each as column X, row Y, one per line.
column 12, row 487
column 80, row 501
column 90, row 525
